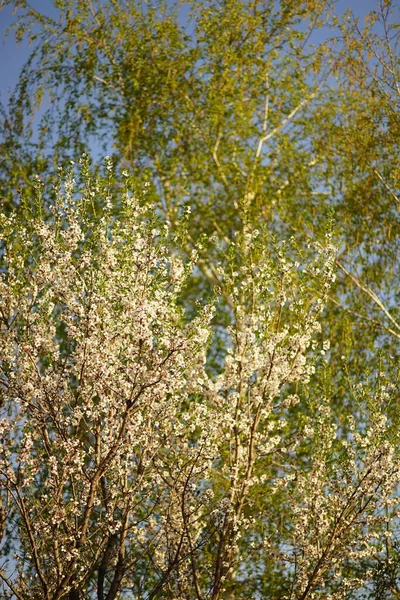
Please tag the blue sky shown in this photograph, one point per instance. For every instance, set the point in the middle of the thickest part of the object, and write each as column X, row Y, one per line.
column 13, row 56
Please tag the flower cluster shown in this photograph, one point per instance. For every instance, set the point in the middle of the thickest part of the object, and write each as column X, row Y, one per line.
column 127, row 461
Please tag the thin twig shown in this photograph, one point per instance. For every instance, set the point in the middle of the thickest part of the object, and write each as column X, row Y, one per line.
column 370, row 293
column 364, row 317
column 391, row 192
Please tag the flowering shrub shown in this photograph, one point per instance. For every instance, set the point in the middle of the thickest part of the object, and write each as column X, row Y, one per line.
column 129, row 467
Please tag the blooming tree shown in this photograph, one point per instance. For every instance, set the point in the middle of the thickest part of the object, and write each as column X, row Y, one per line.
column 149, row 453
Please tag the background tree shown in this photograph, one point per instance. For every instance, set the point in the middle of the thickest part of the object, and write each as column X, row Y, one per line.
column 231, row 107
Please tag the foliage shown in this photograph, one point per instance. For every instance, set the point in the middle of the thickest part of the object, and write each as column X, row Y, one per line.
column 245, row 111
column 250, row 126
